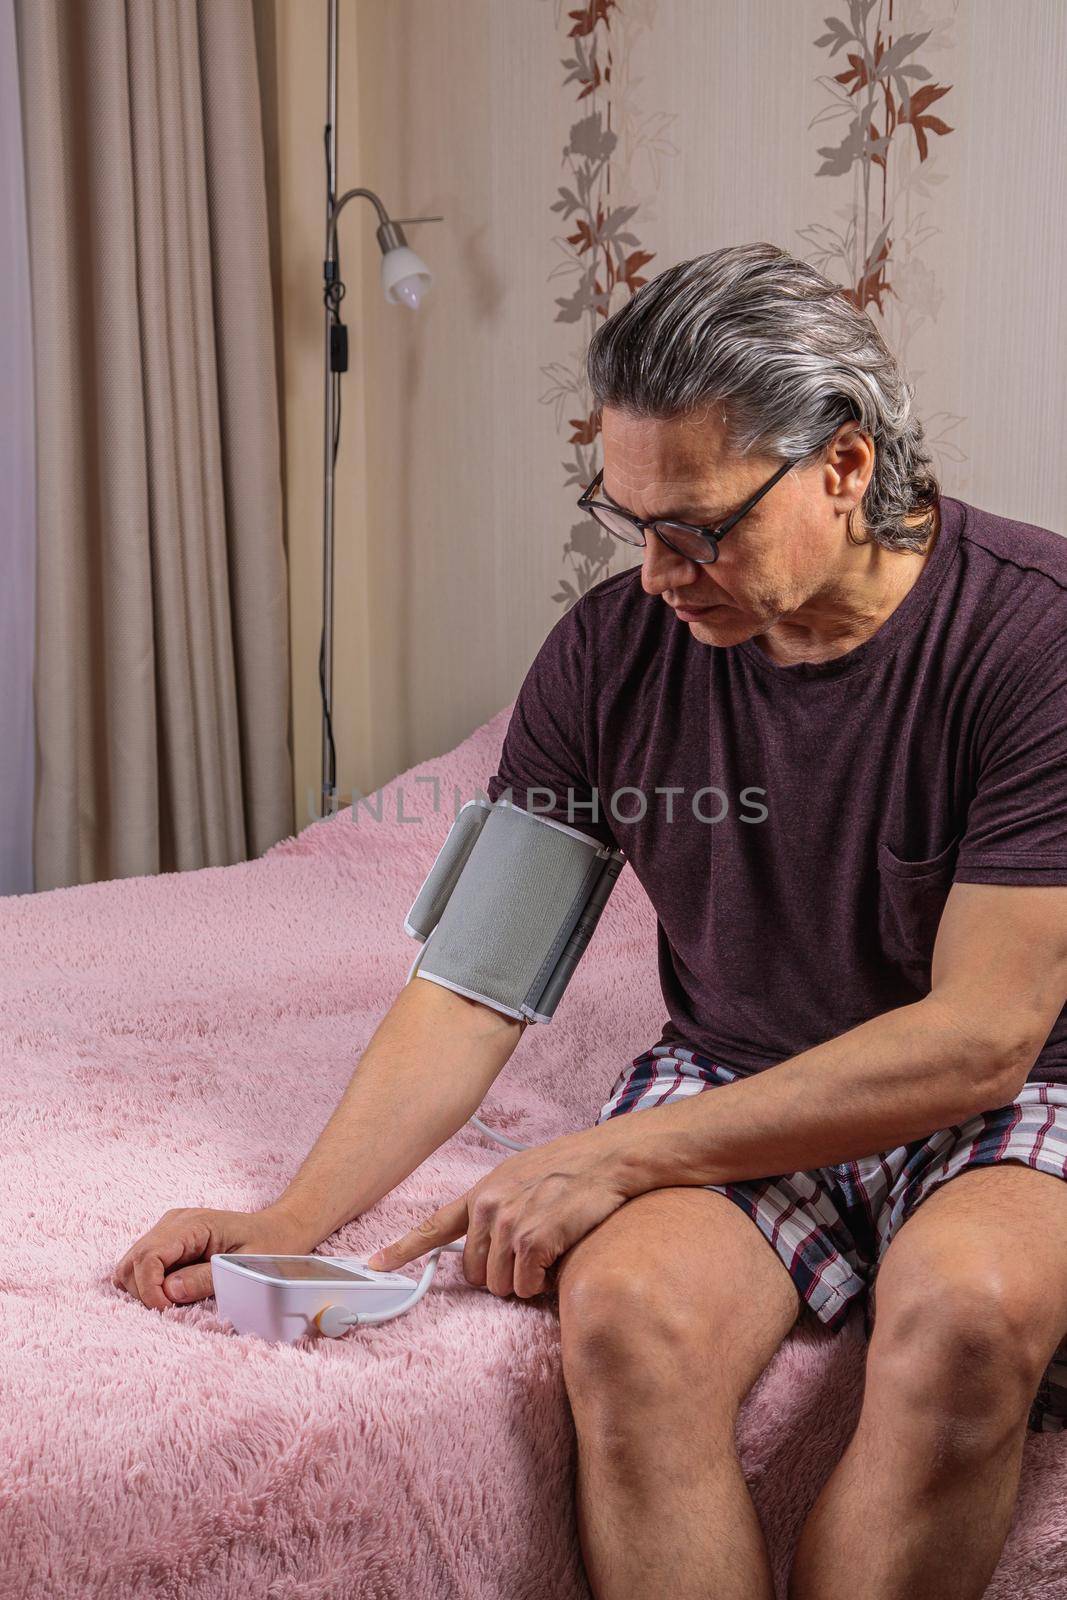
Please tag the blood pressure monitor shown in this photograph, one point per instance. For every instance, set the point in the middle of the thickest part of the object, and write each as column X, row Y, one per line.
column 284, row 1297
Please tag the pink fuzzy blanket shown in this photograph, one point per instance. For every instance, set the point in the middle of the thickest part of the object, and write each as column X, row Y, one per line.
column 181, row 1040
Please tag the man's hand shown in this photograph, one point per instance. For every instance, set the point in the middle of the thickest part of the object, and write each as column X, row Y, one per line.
column 188, row 1238
column 521, row 1217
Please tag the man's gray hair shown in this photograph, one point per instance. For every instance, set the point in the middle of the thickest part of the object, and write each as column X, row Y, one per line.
column 785, row 356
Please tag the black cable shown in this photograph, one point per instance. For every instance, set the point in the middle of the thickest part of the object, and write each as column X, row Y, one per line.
column 331, row 751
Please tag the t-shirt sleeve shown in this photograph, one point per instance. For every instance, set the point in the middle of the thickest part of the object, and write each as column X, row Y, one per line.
column 1017, row 822
column 546, row 762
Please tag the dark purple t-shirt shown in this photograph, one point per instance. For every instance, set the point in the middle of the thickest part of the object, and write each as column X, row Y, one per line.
column 822, row 810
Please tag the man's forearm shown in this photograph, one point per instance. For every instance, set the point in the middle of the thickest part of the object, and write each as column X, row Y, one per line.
column 892, row 1079
column 426, row 1070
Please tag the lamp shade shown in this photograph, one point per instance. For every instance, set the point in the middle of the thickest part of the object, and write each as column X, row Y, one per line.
column 405, row 276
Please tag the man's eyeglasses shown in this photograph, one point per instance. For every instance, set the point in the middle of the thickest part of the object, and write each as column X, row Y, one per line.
column 700, row 544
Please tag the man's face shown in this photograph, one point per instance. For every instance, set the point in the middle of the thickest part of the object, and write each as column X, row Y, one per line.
column 787, row 557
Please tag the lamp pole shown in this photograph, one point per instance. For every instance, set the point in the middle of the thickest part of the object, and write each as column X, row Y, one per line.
column 329, row 773
column 405, row 279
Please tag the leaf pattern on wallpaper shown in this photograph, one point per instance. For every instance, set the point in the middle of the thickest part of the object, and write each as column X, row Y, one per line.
column 885, row 96
column 603, row 262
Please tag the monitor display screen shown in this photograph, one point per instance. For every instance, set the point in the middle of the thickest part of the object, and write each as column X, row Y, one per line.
column 301, row 1269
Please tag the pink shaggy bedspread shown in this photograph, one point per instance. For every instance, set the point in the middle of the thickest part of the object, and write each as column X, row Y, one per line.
column 181, row 1040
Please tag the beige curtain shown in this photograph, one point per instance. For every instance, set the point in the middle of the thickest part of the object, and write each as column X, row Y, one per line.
column 162, row 689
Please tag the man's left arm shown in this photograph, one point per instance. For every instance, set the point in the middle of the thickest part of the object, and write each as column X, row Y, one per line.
column 998, row 983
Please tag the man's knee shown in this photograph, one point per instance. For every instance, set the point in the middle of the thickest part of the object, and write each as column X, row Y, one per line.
column 618, row 1316
column 636, row 1368
column 958, row 1360
column 670, row 1310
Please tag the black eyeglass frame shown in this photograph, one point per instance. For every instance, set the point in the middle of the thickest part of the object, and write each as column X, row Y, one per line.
column 711, row 534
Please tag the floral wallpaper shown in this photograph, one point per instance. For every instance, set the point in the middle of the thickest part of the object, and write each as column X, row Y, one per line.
column 882, row 104
column 603, row 259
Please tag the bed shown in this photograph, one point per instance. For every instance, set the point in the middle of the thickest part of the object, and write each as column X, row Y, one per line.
column 181, row 1040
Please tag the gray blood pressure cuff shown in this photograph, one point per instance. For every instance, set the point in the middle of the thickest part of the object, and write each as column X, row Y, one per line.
column 509, row 906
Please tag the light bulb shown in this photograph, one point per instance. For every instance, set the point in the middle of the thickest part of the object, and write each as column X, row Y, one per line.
column 410, row 290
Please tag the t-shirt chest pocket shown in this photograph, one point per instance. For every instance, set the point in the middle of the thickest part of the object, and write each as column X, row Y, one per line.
column 911, row 898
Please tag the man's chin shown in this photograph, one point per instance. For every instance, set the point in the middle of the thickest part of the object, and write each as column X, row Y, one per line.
column 719, row 621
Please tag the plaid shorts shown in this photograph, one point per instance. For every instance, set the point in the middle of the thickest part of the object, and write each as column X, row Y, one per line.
column 830, row 1226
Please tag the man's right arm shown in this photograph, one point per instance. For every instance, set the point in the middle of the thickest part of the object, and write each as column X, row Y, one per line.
column 424, row 1073
column 433, row 1055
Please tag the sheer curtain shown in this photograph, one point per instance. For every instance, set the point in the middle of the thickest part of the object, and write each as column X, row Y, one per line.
column 18, row 543
column 162, row 654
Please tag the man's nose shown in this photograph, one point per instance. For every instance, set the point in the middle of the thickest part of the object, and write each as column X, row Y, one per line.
column 663, row 568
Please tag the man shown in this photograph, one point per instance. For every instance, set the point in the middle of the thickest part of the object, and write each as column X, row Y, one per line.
column 826, row 720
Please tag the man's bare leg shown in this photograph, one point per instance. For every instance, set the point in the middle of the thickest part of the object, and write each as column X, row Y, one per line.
column 914, row 1527
column 971, row 1301
column 669, row 1311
